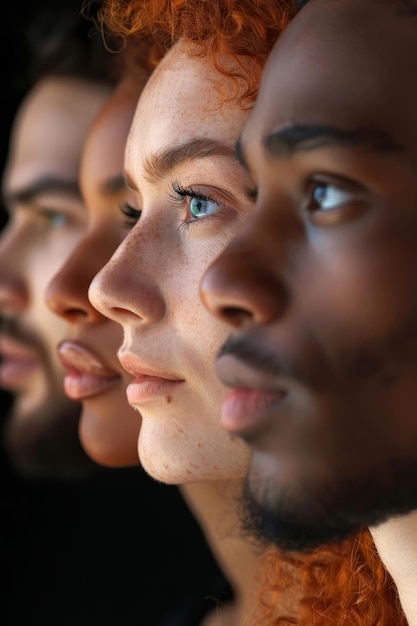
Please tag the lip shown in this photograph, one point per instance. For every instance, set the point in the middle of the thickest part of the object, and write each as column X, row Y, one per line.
column 17, row 363
column 147, row 384
column 247, row 407
column 87, row 374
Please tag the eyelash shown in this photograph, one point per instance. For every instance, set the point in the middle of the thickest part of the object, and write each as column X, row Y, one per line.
column 130, row 214
column 180, row 195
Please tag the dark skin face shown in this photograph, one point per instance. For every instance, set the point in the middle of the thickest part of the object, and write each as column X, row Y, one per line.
column 320, row 285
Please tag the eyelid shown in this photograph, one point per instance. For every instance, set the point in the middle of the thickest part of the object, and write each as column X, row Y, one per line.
column 131, row 215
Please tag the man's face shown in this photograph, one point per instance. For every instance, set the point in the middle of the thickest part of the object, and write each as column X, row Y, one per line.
column 46, row 219
column 320, row 284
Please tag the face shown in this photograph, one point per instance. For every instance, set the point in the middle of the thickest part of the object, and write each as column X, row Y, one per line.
column 319, row 285
column 109, row 427
column 191, row 194
column 46, row 218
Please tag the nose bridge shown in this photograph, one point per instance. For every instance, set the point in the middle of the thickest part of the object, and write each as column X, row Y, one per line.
column 127, row 287
column 67, row 292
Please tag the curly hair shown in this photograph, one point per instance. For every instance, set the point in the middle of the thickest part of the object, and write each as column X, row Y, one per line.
column 243, row 29
column 344, row 584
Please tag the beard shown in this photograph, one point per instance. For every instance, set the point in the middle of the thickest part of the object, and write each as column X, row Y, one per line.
column 303, row 521
column 45, row 443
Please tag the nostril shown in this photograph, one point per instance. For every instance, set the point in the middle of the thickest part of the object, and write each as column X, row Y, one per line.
column 75, row 313
column 235, row 315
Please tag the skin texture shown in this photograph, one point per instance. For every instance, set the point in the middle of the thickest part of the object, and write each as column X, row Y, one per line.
column 109, row 427
column 150, row 285
column 319, row 285
column 46, row 218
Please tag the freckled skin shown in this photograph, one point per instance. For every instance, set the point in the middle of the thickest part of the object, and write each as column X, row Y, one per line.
column 320, row 290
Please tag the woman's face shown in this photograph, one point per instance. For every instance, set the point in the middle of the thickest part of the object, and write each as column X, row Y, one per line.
column 109, row 426
column 190, row 196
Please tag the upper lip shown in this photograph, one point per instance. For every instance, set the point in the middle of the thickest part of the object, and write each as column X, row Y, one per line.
column 234, row 372
column 12, row 349
column 77, row 357
column 134, row 366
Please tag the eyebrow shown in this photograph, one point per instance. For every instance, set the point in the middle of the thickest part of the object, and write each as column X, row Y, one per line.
column 113, row 185
column 166, row 160
column 286, row 142
column 45, row 185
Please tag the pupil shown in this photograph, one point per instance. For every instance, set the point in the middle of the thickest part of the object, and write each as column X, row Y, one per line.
column 196, row 206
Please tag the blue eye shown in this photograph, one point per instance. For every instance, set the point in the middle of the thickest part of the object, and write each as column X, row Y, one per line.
column 55, row 219
column 199, row 206
column 202, row 207
column 58, row 220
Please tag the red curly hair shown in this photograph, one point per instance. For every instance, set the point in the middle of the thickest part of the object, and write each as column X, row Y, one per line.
column 344, row 584
column 243, row 29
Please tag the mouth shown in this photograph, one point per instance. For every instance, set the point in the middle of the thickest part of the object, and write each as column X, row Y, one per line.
column 147, row 384
column 247, row 407
column 17, row 363
column 87, row 375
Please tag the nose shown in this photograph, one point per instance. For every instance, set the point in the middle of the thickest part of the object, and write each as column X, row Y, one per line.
column 14, row 292
column 126, row 289
column 67, row 292
column 242, row 288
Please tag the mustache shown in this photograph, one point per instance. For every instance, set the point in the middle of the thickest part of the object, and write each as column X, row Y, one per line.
column 17, row 332
column 265, row 359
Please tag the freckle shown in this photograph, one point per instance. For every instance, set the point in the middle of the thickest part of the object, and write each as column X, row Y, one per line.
column 166, row 466
column 188, row 472
column 168, row 399
column 200, row 445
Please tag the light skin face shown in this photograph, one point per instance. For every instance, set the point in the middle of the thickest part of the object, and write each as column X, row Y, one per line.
column 319, row 286
column 109, row 427
column 179, row 158
column 46, row 219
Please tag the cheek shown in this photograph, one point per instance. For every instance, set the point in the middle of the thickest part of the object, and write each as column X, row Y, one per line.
column 367, row 333
column 367, row 290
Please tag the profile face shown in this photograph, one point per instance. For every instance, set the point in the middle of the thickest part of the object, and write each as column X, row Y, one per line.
column 191, row 194
column 319, row 285
column 88, row 348
column 46, row 219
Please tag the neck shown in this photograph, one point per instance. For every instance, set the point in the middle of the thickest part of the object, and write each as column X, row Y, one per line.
column 214, row 506
column 396, row 542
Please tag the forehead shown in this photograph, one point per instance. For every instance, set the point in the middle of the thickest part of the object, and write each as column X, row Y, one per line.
column 50, row 129
column 347, row 63
column 103, row 152
column 180, row 102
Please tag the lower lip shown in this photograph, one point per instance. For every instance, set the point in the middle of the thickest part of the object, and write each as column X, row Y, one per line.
column 243, row 409
column 80, row 386
column 142, row 390
column 15, row 371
